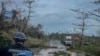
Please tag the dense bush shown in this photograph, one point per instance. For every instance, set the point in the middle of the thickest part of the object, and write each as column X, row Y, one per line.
column 35, row 42
column 4, row 41
column 60, row 53
column 91, row 50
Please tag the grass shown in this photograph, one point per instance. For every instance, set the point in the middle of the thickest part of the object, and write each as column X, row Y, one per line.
column 91, row 49
column 60, row 53
column 34, row 42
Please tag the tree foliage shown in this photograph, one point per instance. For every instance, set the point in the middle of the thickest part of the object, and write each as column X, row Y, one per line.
column 15, row 23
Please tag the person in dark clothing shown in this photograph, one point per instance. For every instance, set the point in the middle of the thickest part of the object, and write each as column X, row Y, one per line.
column 10, row 50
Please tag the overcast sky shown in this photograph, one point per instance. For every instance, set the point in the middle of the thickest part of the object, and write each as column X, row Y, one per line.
column 56, row 16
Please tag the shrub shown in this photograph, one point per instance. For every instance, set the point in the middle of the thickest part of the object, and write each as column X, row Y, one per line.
column 60, row 53
column 4, row 41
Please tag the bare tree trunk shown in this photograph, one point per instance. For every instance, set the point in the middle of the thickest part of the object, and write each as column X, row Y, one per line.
column 28, row 17
column 83, row 17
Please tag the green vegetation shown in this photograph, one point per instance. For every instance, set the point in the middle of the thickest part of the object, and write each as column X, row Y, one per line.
column 60, row 53
column 4, row 40
column 12, row 24
column 35, row 43
column 90, row 48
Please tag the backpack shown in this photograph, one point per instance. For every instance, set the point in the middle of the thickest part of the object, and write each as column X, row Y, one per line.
column 20, row 52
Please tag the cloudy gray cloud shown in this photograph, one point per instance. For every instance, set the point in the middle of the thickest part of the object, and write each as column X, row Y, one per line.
column 55, row 15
